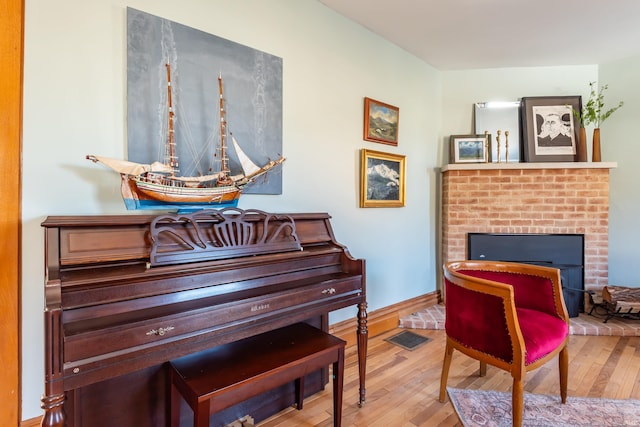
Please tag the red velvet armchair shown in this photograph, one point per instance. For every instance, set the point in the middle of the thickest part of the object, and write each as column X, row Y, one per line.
column 509, row 315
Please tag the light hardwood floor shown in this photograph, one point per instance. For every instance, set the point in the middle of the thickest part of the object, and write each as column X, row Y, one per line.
column 402, row 385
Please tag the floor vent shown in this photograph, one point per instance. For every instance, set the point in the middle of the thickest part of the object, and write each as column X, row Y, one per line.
column 408, row 340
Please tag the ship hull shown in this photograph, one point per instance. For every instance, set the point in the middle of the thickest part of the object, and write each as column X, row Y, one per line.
column 138, row 194
column 137, row 204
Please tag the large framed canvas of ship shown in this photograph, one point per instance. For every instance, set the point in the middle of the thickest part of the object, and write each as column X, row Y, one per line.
column 207, row 110
column 382, row 179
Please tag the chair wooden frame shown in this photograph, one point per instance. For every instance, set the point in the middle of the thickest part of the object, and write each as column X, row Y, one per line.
column 517, row 367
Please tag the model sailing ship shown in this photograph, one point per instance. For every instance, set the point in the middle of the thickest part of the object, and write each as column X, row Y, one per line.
column 159, row 185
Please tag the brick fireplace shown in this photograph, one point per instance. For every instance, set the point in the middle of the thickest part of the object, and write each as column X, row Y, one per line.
column 550, row 198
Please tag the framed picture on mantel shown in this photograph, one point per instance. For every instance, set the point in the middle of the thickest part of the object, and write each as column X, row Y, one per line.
column 470, row 148
column 549, row 129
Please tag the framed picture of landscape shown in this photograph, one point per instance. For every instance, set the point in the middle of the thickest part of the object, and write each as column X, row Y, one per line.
column 381, row 122
column 470, row 148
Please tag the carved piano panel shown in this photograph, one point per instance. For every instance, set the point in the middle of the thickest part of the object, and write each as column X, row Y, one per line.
column 124, row 294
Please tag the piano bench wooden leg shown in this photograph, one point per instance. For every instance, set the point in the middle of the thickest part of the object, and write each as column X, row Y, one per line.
column 337, row 373
column 174, row 406
column 299, row 392
column 202, row 414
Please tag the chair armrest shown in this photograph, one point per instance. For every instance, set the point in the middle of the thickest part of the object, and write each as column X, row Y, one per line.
column 470, row 299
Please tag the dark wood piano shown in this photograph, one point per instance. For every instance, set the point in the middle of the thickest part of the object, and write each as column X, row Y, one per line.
column 124, row 294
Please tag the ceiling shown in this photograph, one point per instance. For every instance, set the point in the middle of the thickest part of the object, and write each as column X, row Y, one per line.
column 473, row 34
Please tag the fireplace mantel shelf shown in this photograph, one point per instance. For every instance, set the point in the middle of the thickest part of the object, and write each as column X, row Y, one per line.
column 515, row 166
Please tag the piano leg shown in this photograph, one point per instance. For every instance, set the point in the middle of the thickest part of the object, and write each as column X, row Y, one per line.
column 54, row 396
column 53, row 411
column 362, row 334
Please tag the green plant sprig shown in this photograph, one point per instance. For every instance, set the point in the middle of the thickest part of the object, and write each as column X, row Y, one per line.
column 593, row 111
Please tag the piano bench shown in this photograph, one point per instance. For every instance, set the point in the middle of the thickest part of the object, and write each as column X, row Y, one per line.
column 215, row 379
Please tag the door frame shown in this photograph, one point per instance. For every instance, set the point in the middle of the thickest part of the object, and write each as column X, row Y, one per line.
column 11, row 85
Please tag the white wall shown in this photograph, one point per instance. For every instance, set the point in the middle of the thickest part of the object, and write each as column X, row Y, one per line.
column 74, row 105
column 621, row 143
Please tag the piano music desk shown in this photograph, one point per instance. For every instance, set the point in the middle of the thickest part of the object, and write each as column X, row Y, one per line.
column 223, row 376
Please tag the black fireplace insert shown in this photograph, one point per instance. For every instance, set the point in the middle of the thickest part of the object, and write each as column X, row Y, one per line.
column 562, row 251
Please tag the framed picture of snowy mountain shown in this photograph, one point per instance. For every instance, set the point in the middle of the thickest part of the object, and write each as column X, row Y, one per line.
column 382, row 179
column 381, row 122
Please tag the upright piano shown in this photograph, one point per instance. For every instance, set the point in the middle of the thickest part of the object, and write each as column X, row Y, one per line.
column 124, row 294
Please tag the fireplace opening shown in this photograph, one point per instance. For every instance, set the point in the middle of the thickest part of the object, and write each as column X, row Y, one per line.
column 562, row 251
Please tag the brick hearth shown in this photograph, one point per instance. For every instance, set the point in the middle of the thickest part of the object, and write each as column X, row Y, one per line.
column 433, row 317
column 529, row 198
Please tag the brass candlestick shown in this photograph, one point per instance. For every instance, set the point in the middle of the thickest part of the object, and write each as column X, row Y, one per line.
column 506, row 146
column 487, row 155
column 498, row 144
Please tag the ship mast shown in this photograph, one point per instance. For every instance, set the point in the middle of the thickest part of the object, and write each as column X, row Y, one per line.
column 224, row 178
column 172, row 158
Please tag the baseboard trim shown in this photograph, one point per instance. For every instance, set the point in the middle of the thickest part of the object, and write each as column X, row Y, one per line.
column 384, row 319
column 378, row 322
column 33, row 422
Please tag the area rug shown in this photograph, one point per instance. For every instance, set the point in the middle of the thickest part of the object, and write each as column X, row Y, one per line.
column 433, row 318
column 493, row 409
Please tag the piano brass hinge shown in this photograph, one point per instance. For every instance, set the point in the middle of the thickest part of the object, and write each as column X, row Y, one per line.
column 246, row 421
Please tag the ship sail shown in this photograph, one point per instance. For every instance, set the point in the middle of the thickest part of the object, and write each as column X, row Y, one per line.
column 130, row 168
column 203, row 178
column 248, row 167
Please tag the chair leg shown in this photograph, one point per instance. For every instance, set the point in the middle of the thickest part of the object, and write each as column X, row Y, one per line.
column 483, row 368
column 448, row 352
column 517, row 402
column 563, row 362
